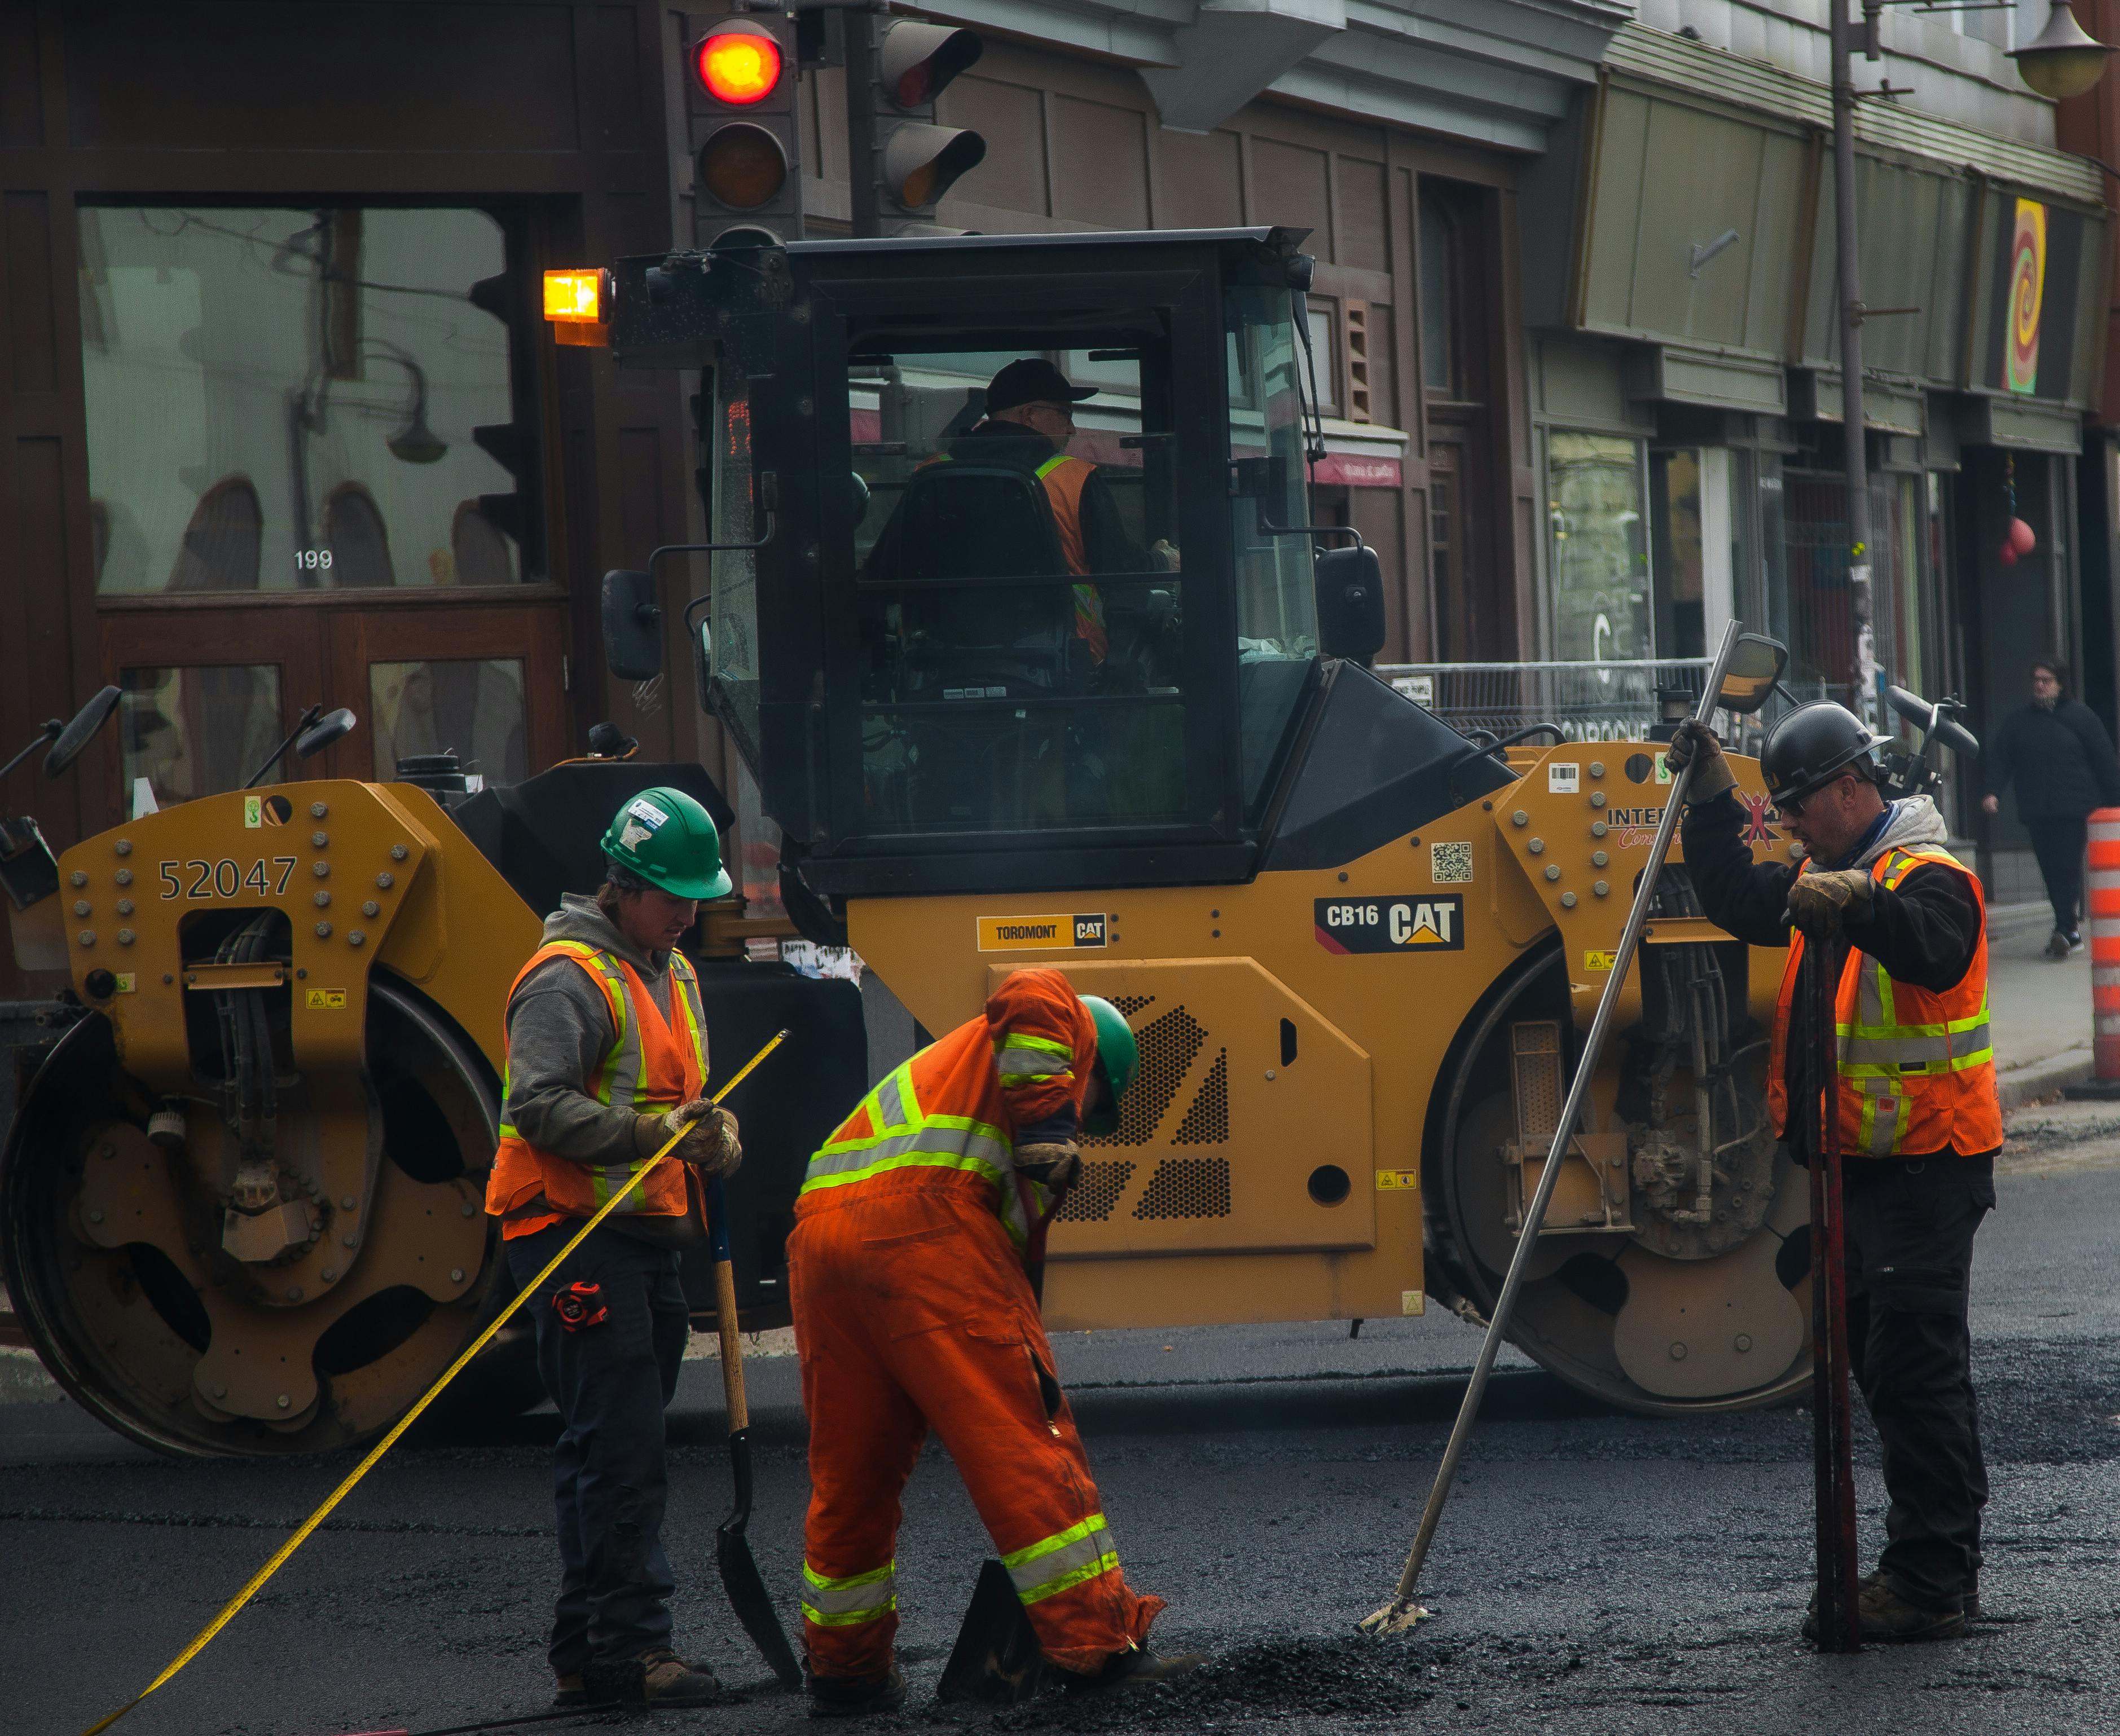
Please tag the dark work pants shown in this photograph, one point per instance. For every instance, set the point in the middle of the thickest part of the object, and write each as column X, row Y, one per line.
column 2059, row 845
column 1910, row 1227
column 610, row 1382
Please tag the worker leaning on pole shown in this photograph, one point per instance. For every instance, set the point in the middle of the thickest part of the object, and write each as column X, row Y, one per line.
column 1919, row 1121
column 607, row 1059
column 912, row 1308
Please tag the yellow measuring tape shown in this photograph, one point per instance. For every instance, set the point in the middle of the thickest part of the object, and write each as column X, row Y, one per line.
column 280, row 1556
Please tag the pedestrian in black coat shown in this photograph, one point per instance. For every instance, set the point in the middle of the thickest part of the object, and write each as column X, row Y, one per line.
column 2062, row 760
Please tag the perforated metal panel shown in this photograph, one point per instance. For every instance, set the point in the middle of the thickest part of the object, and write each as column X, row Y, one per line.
column 1187, row 1187
column 1169, row 1045
column 1207, row 1121
column 1130, row 1005
column 1091, row 1198
column 1535, row 1058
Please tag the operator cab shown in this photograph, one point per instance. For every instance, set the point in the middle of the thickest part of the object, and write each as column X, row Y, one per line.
column 969, row 650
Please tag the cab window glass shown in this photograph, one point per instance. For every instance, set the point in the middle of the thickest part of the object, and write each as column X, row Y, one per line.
column 733, row 635
column 1018, row 584
column 1276, row 582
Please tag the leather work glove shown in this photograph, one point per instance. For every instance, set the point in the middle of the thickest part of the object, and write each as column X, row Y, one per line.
column 1820, row 904
column 1056, row 1164
column 710, row 1145
column 1696, row 744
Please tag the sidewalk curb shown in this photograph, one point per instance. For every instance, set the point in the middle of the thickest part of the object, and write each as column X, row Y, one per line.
column 2041, row 1078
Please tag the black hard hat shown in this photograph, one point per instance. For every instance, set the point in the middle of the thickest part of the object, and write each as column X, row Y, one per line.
column 1032, row 380
column 1813, row 745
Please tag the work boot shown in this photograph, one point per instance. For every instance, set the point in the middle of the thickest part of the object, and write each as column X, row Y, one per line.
column 1811, row 1614
column 571, row 1693
column 649, row 1682
column 2058, row 947
column 855, row 1696
column 1889, row 1615
column 2075, row 943
column 1136, row 1667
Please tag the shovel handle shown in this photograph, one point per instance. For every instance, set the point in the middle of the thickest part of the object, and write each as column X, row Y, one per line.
column 725, row 1314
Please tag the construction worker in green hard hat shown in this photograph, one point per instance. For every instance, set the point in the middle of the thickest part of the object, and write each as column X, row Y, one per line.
column 918, row 1233
column 606, row 1060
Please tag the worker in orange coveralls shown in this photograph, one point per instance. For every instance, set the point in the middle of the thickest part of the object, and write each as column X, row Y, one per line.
column 912, row 1305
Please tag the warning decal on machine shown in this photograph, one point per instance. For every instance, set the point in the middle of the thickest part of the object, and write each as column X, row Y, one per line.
column 1408, row 922
column 325, row 1001
column 1022, row 933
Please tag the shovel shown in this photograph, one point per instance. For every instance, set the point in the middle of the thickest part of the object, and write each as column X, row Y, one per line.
column 740, row 1576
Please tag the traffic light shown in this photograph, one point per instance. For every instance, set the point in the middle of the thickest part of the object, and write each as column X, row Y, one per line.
column 742, row 86
column 913, row 162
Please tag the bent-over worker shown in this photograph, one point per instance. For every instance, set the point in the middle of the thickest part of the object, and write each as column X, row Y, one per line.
column 1919, row 1121
column 607, row 1059
column 912, row 1308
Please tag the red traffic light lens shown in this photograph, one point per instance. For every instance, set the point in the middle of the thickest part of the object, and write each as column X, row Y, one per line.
column 736, row 66
column 742, row 165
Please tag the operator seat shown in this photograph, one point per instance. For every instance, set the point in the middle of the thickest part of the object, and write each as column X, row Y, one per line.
column 967, row 521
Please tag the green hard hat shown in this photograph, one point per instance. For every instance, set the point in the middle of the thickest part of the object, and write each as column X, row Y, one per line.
column 1118, row 1059
column 669, row 840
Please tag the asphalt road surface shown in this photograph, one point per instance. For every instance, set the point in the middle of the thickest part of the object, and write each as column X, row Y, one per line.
column 1595, row 1572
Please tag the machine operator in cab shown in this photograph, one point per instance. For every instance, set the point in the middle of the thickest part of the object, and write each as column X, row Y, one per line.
column 1029, row 425
column 1919, row 1121
column 607, row 1059
column 914, row 1308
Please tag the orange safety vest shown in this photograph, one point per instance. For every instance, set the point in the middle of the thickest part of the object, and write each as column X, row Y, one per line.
column 648, row 1067
column 1917, row 1069
column 1065, row 478
column 949, row 1114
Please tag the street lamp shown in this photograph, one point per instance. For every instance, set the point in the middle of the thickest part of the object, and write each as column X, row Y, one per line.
column 2063, row 60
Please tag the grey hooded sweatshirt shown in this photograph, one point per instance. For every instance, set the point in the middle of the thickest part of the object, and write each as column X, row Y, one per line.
column 559, row 1029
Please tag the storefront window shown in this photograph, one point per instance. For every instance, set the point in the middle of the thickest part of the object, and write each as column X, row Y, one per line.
column 280, row 399
column 1596, row 549
column 471, row 708
column 193, row 733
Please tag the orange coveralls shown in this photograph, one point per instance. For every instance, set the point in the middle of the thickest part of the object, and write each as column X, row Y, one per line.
column 912, row 1307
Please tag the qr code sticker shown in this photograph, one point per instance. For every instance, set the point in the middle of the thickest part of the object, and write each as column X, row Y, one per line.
column 1450, row 865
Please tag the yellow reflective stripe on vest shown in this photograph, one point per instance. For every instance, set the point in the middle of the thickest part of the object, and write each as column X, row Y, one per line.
column 1052, row 1564
column 848, row 1602
column 1034, row 1063
column 906, row 1138
column 1877, row 1046
column 1883, row 1123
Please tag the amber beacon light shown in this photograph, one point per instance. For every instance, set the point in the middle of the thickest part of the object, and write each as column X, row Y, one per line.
column 739, row 67
column 574, row 297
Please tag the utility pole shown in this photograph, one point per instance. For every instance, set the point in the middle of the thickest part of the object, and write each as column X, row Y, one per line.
column 1860, row 596
column 862, row 177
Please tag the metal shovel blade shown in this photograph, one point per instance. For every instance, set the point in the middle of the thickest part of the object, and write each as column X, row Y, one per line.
column 740, row 1578
column 1395, row 1617
column 997, row 1660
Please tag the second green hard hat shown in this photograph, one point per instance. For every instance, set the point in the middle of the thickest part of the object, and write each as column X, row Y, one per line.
column 669, row 840
column 1118, row 1057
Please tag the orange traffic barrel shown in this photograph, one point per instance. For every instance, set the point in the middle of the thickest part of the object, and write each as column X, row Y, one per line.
column 2101, row 902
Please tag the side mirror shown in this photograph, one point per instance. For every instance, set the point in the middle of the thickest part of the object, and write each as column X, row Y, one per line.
column 1756, row 663
column 82, row 731
column 632, row 625
column 1955, row 736
column 1264, row 480
column 1910, row 706
column 325, row 730
column 1350, row 604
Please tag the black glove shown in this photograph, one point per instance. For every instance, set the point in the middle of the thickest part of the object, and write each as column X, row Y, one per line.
column 1696, row 745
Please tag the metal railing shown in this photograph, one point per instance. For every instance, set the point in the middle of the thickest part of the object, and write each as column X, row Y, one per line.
column 1587, row 701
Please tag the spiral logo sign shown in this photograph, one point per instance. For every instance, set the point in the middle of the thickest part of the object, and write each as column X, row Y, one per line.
column 2028, row 285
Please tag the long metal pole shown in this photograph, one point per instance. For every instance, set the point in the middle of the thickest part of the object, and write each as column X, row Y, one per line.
column 866, row 215
column 1850, row 282
column 1402, row 1612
